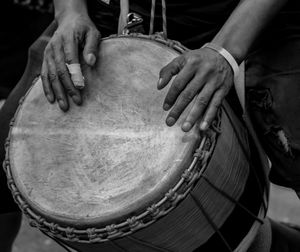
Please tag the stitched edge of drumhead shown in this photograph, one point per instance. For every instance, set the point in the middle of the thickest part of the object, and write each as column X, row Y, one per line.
column 170, row 200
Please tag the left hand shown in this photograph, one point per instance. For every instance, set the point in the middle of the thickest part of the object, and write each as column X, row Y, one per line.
column 204, row 77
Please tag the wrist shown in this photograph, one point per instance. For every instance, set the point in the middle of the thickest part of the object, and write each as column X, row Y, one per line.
column 69, row 16
column 236, row 51
column 226, row 55
column 68, row 9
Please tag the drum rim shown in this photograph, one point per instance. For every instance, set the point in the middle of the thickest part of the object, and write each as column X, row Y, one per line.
column 134, row 223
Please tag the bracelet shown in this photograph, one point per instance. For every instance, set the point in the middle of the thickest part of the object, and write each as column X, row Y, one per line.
column 229, row 58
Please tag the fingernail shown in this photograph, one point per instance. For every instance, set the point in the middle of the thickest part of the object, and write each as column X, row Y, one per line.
column 203, row 125
column 76, row 99
column 61, row 103
column 186, row 126
column 91, row 59
column 49, row 98
column 170, row 121
column 166, row 107
column 159, row 83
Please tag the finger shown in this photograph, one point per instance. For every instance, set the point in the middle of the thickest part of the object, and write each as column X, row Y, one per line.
column 179, row 83
column 70, row 47
column 183, row 100
column 212, row 110
column 91, row 46
column 63, row 73
column 46, row 84
column 56, row 85
column 72, row 62
column 199, row 106
column 167, row 72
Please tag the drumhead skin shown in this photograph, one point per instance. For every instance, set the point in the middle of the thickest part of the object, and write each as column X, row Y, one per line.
column 111, row 157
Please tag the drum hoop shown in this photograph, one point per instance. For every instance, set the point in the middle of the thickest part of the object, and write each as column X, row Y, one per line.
column 154, row 212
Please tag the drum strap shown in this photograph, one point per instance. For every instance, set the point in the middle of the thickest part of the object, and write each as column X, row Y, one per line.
column 164, row 17
column 123, row 18
column 124, row 10
column 239, row 85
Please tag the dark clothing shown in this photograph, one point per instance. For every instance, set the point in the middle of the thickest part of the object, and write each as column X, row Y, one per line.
column 193, row 22
column 190, row 22
column 19, row 28
column 272, row 79
column 284, row 238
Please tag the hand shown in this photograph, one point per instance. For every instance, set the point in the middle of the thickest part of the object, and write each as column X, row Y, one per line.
column 73, row 33
column 203, row 78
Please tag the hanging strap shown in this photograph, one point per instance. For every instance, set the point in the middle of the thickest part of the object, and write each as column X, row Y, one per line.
column 124, row 10
column 239, row 84
column 164, row 18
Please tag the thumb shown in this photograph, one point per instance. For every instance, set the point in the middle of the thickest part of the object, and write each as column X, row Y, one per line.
column 91, row 46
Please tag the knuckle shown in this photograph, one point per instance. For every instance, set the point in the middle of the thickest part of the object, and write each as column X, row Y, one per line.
column 62, row 73
column 187, row 96
column 191, row 60
column 68, row 37
column 52, row 77
column 69, row 56
column 47, row 51
column 216, row 104
column 69, row 59
column 56, row 33
column 77, row 36
column 54, row 43
column 193, row 118
column 178, row 63
column 202, row 101
column 214, row 85
column 70, row 90
column 175, row 88
column 44, row 77
column 206, row 65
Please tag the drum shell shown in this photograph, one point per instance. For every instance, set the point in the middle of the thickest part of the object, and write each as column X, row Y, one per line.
column 185, row 228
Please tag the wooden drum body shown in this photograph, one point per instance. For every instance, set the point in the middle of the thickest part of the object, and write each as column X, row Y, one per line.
column 111, row 176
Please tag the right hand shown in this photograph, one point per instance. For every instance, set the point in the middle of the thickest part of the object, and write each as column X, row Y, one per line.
column 74, row 32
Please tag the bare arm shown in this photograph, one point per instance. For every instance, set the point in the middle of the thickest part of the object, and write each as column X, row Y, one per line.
column 66, row 7
column 203, row 76
column 245, row 24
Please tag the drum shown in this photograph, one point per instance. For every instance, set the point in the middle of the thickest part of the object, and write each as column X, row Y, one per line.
column 111, row 176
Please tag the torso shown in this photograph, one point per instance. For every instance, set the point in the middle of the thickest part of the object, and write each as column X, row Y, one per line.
column 192, row 22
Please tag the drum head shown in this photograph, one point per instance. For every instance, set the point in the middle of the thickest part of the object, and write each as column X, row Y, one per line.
column 112, row 156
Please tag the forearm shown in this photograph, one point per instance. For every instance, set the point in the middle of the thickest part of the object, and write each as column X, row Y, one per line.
column 65, row 7
column 244, row 25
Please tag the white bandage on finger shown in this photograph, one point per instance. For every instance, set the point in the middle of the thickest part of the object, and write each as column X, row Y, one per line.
column 76, row 75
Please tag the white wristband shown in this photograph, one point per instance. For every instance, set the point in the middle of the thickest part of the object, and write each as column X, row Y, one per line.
column 229, row 58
